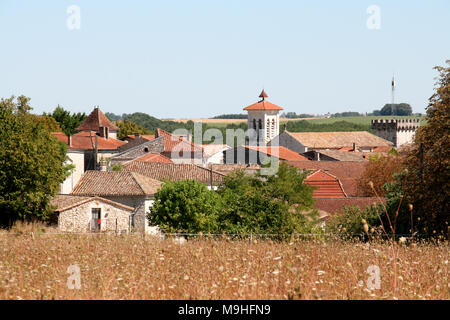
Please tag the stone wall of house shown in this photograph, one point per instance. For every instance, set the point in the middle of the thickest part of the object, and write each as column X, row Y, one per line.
column 141, row 204
column 289, row 142
column 79, row 218
column 154, row 146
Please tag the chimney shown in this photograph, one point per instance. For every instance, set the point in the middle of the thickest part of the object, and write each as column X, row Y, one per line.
column 316, row 156
column 69, row 140
column 354, row 147
column 284, row 127
column 137, row 135
column 103, row 165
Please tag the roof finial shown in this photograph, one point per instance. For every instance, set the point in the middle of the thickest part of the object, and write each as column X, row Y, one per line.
column 263, row 94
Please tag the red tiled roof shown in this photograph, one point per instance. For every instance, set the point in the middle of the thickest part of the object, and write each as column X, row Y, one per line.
column 263, row 105
column 82, row 140
column 336, row 205
column 328, row 186
column 279, row 152
column 154, row 157
column 66, row 202
column 174, row 172
column 346, row 171
column 144, row 136
column 382, row 149
column 338, row 140
column 114, row 183
column 176, row 143
column 96, row 120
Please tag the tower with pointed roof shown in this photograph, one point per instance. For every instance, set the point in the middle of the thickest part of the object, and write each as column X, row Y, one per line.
column 98, row 122
column 264, row 120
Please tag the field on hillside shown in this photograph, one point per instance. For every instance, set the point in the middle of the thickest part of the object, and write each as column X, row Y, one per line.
column 357, row 120
column 41, row 266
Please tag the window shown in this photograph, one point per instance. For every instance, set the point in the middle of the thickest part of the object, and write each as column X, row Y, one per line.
column 145, row 149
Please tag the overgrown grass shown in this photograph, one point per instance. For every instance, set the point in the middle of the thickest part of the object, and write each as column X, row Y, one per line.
column 34, row 266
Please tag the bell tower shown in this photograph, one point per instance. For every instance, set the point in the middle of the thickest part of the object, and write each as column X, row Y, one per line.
column 263, row 120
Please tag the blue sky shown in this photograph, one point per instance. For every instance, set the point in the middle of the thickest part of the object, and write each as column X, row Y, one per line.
column 186, row 59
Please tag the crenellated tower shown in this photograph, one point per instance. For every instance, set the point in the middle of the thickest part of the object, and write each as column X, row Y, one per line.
column 398, row 131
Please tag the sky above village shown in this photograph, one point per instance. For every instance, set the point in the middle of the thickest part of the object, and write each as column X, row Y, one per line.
column 191, row 59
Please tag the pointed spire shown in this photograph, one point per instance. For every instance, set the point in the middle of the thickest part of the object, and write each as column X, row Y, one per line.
column 263, row 94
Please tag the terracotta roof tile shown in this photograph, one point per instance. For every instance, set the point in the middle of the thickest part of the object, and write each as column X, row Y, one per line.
column 147, row 137
column 175, row 142
column 95, row 120
column 263, row 105
column 102, row 183
column 328, row 186
column 279, row 152
column 338, row 140
column 154, row 157
column 174, row 172
column 82, row 141
column 346, row 171
column 66, row 202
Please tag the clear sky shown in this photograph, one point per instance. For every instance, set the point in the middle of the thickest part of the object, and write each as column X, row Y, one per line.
column 192, row 58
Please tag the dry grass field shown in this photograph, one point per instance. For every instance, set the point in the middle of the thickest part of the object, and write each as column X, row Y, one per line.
column 35, row 265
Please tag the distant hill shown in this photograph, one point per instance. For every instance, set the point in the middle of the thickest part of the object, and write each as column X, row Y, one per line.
column 231, row 116
column 148, row 122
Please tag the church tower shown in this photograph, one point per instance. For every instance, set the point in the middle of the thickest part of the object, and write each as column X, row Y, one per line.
column 264, row 119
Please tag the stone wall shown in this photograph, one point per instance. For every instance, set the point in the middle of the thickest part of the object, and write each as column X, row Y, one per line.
column 78, row 219
column 289, row 142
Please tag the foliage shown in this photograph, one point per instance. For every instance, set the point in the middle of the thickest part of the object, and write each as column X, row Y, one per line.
column 231, row 116
column 350, row 223
column 276, row 204
column 428, row 164
column 127, row 127
column 293, row 115
column 379, row 170
column 396, row 109
column 67, row 121
column 346, row 114
column 50, row 124
column 185, row 206
column 280, row 204
column 31, row 163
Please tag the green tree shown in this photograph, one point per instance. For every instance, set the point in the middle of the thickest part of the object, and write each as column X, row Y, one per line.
column 67, row 121
column 127, row 127
column 397, row 109
column 278, row 204
column 186, row 206
column 31, row 163
column 428, row 179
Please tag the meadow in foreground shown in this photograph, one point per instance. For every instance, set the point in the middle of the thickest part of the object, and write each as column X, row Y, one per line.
column 34, row 266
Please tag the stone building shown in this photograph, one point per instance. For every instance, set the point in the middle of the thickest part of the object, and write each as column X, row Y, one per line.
column 398, row 131
column 263, row 121
column 127, row 188
column 91, row 214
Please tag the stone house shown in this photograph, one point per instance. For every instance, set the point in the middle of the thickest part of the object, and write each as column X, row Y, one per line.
column 91, row 214
column 127, row 188
column 257, row 155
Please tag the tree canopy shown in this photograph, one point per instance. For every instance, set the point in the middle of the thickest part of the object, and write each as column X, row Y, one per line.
column 397, row 109
column 68, row 121
column 279, row 204
column 127, row 127
column 31, row 163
